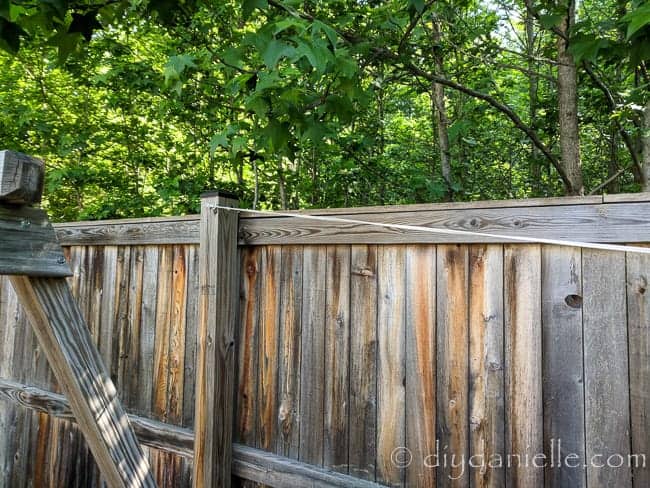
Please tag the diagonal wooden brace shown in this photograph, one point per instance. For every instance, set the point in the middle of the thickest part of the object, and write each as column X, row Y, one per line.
column 30, row 253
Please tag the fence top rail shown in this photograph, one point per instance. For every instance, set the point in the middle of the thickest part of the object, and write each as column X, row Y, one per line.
column 604, row 218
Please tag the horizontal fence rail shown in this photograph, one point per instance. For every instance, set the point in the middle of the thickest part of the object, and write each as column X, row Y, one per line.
column 355, row 345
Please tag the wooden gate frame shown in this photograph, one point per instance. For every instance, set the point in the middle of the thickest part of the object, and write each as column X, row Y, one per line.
column 31, row 255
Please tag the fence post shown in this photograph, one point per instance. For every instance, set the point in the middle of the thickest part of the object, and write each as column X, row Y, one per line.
column 215, row 368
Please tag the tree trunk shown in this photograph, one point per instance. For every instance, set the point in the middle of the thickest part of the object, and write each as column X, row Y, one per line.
column 645, row 148
column 568, row 107
column 439, row 110
column 533, row 82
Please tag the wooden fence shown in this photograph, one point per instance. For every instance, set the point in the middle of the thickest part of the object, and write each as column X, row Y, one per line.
column 365, row 351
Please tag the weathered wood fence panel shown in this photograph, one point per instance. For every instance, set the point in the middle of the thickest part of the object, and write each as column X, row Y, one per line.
column 139, row 302
column 383, row 356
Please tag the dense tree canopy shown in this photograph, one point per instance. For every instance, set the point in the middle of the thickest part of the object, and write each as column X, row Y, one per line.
column 137, row 106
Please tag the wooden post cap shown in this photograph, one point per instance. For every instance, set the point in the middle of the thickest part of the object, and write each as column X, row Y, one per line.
column 21, row 178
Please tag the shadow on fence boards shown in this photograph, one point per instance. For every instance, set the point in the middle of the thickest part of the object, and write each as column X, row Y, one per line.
column 337, row 354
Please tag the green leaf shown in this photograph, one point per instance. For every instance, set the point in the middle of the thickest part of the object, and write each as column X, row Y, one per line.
column 289, row 23
column 274, row 51
column 218, row 140
column 277, row 135
column 417, row 5
column 637, row 18
column 248, row 6
column 587, row 47
column 66, row 44
column 176, row 65
column 551, row 20
column 331, row 34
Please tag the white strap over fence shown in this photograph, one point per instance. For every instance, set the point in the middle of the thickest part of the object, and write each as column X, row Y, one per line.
column 442, row 230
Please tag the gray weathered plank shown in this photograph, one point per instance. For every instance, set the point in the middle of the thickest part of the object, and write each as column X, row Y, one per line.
column 363, row 361
column 638, row 316
column 21, row 178
column 486, row 365
column 620, row 222
column 312, row 375
column 28, row 245
column 452, row 363
column 607, row 404
column 391, row 363
column 130, row 232
column 337, row 355
column 563, row 389
column 523, row 360
column 62, row 332
column 256, row 465
column 289, row 360
column 215, row 366
column 420, row 363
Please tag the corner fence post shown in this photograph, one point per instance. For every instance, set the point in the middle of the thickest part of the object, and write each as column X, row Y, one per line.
column 215, row 368
column 32, row 256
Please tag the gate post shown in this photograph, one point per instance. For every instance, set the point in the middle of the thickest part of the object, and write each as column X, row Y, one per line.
column 215, row 366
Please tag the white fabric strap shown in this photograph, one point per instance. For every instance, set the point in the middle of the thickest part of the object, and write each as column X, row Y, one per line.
column 438, row 230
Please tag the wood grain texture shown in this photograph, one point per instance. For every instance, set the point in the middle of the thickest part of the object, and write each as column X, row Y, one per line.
column 271, row 262
column 638, row 317
column 628, row 222
column 523, row 346
column 391, row 363
column 583, row 218
column 562, row 355
column 247, row 351
column 61, row 330
column 452, row 364
column 420, row 363
column 130, row 232
column 312, row 375
column 21, row 178
column 486, row 365
column 275, row 471
column 215, row 367
column 289, row 354
column 337, row 358
column 28, row 245
column 363, row 362
column 607, row 404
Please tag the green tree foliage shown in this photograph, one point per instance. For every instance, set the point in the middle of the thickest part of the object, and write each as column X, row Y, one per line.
column 138, row 106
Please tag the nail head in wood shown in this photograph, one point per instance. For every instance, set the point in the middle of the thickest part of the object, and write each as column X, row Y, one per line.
column 21, row 178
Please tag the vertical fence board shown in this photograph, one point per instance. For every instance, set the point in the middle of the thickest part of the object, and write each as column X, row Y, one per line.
column 391, row 363
column 289, row 361
column 337, row 355
column 130, row 358
column 638, row 303
column 268, row 347
column 313, row 355
column 421, row 364
column 147, row 346
column 563, row 387
column 192, row 318
column 363, row 361
column 486, row 366
column 452, row 364
column 607, row 408
column 245, row 431
column 523, row 347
